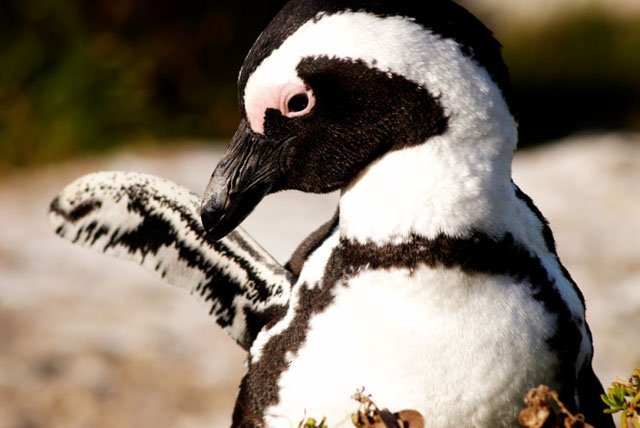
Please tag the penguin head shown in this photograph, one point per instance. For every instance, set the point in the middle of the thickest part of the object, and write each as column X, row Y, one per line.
column 332, row 86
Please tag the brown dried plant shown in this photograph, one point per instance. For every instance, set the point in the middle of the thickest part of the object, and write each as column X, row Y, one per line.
column 545, row 410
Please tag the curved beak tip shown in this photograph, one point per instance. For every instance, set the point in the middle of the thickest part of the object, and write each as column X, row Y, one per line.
column 210, row 221
column 213, row 213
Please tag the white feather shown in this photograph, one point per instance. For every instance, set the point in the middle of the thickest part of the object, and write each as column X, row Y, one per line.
column 461, row 350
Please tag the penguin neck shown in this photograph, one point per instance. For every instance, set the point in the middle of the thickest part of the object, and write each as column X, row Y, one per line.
column 453, row 184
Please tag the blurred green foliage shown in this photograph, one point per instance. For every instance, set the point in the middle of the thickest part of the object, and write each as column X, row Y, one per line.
column 580, row 71
column 624, row 398
column 79, row 76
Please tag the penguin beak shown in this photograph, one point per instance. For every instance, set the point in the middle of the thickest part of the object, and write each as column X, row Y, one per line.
column 249, row 170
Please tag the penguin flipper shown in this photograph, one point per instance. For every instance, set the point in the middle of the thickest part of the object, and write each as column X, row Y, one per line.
column 156, row 223
column 589, row 389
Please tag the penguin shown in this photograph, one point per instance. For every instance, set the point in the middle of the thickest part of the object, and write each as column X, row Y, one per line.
column 437, row 285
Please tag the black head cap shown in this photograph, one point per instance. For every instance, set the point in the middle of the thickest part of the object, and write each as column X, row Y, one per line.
column 442, row 17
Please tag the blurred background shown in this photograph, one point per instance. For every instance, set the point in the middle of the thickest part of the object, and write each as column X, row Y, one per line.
column 144, row 85
column 83, row 76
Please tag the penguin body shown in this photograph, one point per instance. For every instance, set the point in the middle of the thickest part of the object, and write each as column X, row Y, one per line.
column 439, row 326
column 437, row 286
column 414, row 336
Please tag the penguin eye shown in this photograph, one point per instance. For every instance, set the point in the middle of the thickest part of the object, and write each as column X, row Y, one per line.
column 298, row 103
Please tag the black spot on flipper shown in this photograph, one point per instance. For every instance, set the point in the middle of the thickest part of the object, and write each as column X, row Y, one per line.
column 102, row 231
column 78, row 212
column 91, row 227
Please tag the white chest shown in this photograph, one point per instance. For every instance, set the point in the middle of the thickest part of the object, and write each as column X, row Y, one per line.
column 460, row 349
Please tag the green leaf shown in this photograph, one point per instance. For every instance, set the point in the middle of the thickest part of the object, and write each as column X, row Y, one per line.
column 609, row 400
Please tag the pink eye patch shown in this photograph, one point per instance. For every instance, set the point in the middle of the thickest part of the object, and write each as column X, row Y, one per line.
column 291, row 99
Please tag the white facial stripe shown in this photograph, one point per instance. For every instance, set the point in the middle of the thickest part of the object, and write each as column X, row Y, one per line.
column 391, row 44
